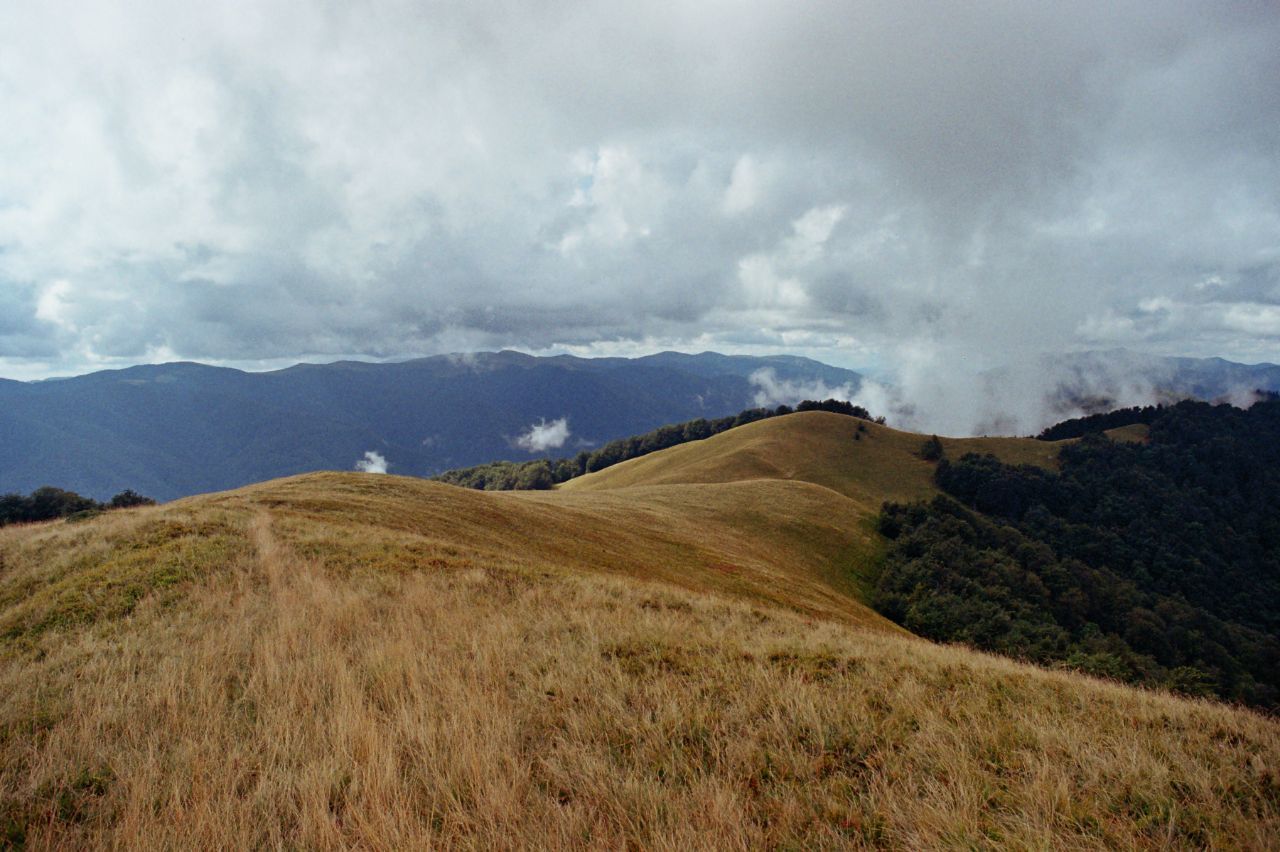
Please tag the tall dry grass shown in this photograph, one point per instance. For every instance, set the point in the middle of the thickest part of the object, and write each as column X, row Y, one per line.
column 280, row 698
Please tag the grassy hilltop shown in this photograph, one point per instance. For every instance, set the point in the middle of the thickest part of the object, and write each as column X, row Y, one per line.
column 671, row 652
column 817, row 447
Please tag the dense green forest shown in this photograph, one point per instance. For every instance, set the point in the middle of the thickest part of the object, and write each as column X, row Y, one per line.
column 1155, row 563
column 48, row 503
column 545, row 473
column 1101, row 422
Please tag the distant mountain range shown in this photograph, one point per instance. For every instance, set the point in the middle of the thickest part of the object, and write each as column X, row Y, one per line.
column 171, row 430
column 1025, row 397
column 1106, row 374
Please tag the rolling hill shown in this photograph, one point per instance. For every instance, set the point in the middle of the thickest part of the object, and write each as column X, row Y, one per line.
column 668, row 653
column 172, row 430
column 866, row 462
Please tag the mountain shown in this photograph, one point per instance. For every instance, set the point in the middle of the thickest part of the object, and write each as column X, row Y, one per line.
column 1107, row 379
column 673, row 652
column 1211, row 378
column 1029, row 395
column 171, row 430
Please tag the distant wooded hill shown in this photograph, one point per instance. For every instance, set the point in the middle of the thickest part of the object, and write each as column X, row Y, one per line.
column 172, row 430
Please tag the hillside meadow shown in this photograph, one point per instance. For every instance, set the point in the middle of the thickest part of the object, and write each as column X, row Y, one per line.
column 866, row 462
column 357, row 661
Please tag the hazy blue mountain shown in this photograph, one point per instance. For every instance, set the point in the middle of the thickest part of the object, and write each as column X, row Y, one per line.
column 1111, row 376
column 1210, row 377
column 1027, row 396
column 171, row 430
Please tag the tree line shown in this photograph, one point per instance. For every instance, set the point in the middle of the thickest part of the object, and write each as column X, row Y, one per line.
column 546, row 473
column 1080, row 426
column 49, row 503
column 1154, row 563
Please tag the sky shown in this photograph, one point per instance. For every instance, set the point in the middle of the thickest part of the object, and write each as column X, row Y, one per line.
column 917, row 189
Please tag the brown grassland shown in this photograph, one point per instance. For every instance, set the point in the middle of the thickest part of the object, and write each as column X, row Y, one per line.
column 347, row 660
column 816, row 447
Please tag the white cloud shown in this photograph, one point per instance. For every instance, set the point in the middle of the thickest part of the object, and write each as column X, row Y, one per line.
column 811, row 232
column 618, row 198
column 771, row 391
column 1160, row 319
column 745, row 186
column 763, row 287
column 774, row 281
column 543, row 436
column 293, row 180
column 52, row 305
column 878, row 399
column 1253, row 320
column 373, row 462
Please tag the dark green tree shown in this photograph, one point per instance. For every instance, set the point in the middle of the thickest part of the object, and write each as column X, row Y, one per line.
column 129, row 498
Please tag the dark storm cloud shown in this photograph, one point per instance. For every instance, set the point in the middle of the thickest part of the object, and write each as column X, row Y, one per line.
column 936, row 187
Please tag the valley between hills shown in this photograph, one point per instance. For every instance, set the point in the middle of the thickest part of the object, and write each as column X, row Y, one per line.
column 674, row 652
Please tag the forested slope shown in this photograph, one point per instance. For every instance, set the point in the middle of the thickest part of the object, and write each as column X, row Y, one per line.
column 1154, row 561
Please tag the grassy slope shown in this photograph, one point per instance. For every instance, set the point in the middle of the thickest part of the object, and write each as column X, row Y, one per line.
column 771, row 542
column 816, row 447
column 338, row 659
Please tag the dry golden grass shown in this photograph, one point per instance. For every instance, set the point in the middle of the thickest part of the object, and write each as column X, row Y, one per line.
column 788, row 543
column 817, row 447
column 348, row 661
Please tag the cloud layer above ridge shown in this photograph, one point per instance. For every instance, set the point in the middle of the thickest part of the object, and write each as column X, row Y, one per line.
column 958, row 184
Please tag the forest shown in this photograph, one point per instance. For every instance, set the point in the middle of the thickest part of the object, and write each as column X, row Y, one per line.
column 1080, row 426
column 546, row 473
column 1155, row 563
column 49, row 503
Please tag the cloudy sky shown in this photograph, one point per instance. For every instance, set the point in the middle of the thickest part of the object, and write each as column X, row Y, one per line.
column 873, row 184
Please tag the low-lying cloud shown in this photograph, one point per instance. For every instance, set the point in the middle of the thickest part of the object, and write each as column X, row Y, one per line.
column 1023, row 397
column 373, row 462
column 771, row 390
column 543, row 436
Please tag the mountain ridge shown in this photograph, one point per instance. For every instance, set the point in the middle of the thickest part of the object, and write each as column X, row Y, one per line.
column 353, row 660
column 182, row 428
